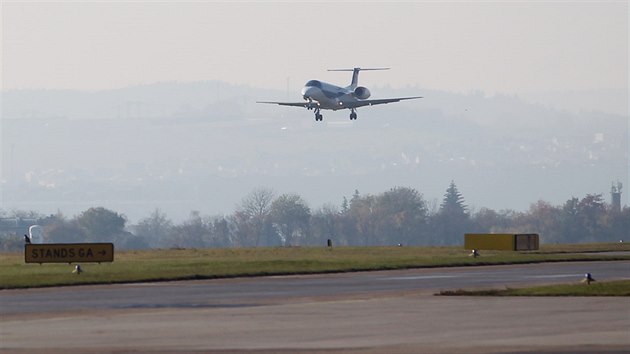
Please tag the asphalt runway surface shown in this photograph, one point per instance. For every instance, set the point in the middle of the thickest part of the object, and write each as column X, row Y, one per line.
column 363, row 312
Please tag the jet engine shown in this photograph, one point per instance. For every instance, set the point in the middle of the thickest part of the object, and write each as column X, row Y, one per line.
column 361, row 92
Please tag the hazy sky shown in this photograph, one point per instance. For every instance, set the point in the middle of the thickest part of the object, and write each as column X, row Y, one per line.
column 496, row 47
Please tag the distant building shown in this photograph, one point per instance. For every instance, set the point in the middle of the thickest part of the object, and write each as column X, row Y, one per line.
column 36, row 234
column 615, row 194
column 16, row 225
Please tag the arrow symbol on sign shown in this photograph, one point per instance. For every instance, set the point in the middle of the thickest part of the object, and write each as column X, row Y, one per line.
column 102, row 253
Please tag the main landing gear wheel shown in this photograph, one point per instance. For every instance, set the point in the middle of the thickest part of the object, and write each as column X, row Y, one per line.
column 318, row 116
column 353, row 116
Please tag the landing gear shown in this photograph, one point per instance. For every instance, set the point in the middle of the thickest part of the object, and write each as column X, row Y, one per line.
column 318, row 116
column 353, row 115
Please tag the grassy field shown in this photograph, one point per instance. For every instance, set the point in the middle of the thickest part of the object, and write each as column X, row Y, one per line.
column 162, row 265
column 612, row 288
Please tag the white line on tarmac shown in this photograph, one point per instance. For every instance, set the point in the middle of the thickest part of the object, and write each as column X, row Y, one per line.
column 553, row 276
column 422, row 277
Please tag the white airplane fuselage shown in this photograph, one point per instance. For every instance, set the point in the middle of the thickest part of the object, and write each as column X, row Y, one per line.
column 328, row 96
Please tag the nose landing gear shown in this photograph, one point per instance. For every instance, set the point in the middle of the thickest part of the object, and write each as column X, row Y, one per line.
column 353, row 115
column 318, row 116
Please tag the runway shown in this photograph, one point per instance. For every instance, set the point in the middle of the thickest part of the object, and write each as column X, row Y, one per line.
column 389, row 311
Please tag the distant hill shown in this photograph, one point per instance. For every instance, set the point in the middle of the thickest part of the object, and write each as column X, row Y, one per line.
column 204, row 145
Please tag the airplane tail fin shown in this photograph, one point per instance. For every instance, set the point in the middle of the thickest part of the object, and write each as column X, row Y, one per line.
column 355, row 74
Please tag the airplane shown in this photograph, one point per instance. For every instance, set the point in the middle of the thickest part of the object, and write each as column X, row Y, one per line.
column 320, row 95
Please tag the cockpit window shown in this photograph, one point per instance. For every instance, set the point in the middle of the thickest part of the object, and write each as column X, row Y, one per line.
column 314, row 83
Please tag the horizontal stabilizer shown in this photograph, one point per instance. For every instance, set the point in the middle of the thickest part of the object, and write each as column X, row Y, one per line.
column 358, row 69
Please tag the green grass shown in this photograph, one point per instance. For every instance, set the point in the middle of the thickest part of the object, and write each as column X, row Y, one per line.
column 583, row 248
column 162, row 265
column 611, row 288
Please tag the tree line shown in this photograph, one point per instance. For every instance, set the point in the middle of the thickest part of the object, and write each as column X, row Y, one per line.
column 399, row 216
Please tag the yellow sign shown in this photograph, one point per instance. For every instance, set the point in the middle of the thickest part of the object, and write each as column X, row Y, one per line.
column 68, row 252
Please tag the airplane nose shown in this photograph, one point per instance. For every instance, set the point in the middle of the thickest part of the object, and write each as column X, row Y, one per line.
column 308, row 91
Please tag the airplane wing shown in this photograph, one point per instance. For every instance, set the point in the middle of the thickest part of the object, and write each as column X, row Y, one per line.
column 363, row 103
column 293, row 104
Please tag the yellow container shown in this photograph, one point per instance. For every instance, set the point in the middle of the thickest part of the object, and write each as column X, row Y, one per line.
column 526, row 242
column 502, row 242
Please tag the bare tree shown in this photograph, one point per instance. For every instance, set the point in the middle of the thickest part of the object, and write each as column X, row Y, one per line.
column 257, row 203
column 291, row 218
column 155, row 229
column 325, row 224
column 252, row 216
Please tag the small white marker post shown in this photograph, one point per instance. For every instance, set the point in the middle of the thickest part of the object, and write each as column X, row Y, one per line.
column 77, row 269
column 588, row 278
